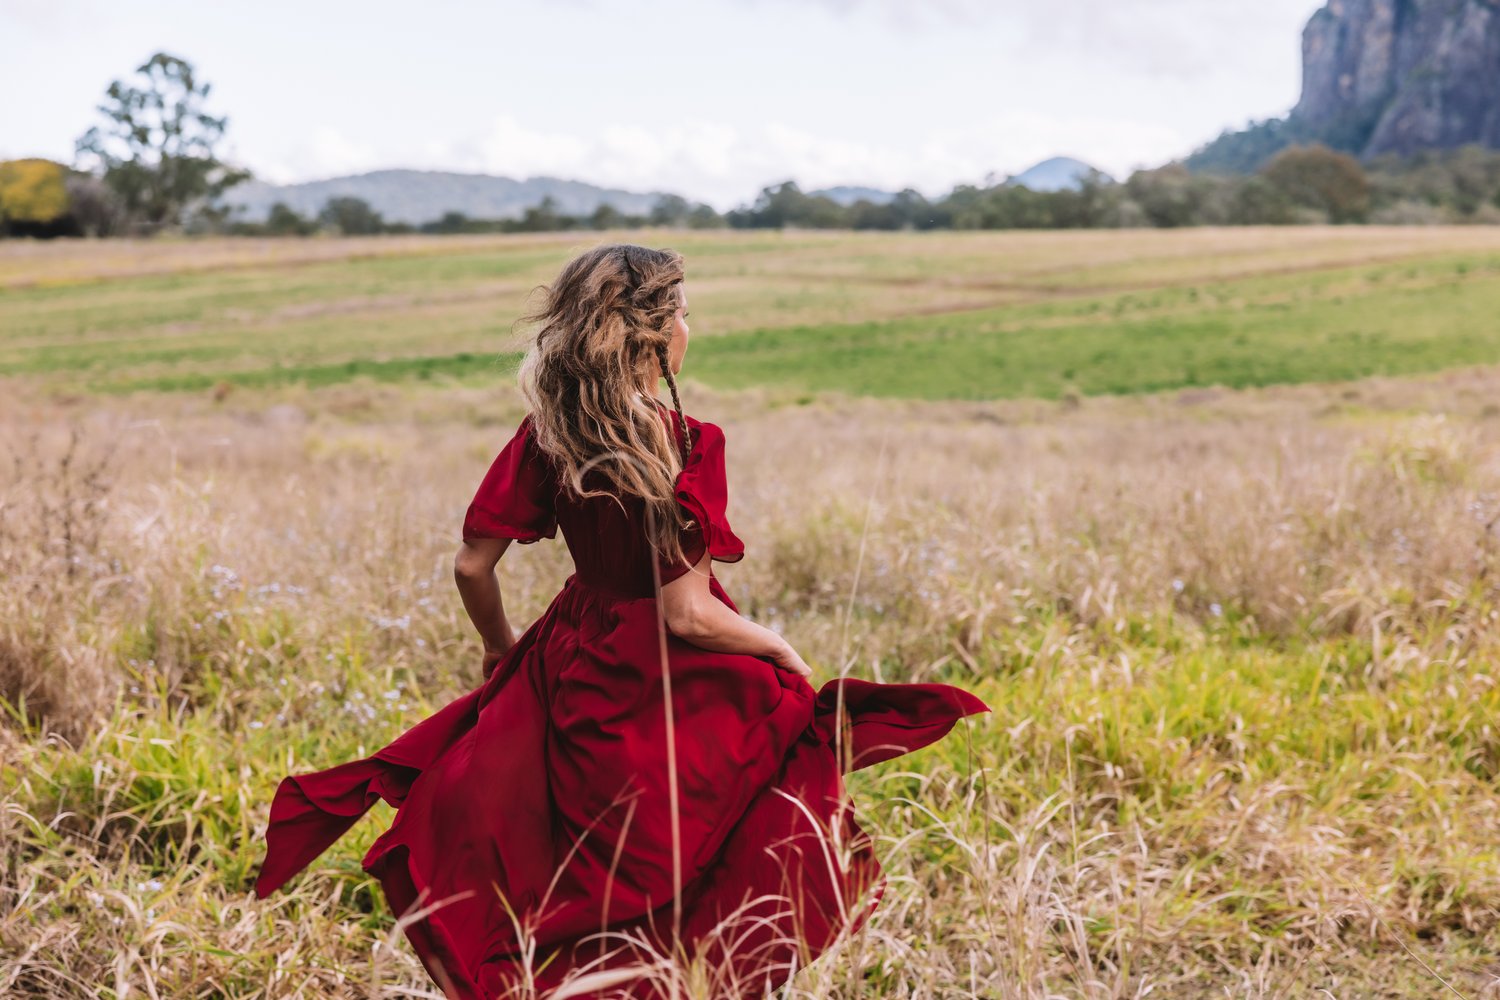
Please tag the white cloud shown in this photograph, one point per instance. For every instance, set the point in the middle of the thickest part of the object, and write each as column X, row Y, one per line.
column 512, row 149
column 1187, row 39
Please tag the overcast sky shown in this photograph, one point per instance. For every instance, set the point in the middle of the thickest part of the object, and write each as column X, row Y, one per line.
column 713, row 99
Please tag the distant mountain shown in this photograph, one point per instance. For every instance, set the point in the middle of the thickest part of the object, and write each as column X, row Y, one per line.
column 846, row 194
column 1061, row 173
column 1384, row 76
column 418, row 196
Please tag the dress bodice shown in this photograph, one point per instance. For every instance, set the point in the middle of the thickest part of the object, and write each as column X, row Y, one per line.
column 523, row 497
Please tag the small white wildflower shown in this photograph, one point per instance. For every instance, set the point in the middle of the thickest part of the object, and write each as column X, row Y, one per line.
column 256, row 724
column 1177, row 585
column 152, row 885
column 1216, row 608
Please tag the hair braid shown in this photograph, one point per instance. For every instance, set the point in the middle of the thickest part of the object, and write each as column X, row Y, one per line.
column 666, row 369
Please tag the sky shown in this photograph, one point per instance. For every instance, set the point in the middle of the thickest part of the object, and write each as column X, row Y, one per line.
column 711, row 99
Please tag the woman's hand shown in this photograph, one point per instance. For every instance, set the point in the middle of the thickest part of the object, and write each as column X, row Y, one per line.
column 787, row 659
column 492, row 658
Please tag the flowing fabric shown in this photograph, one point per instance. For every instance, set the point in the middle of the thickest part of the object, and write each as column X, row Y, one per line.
column 534, row 836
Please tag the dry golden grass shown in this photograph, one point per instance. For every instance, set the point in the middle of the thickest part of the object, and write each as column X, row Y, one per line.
column 991, row 260
column 1240, row 646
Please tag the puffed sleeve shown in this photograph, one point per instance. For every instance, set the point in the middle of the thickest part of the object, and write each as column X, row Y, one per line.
column 703, row 493
column 517, row 497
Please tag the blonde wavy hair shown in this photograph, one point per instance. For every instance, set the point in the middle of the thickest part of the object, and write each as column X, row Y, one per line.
column 605, row 326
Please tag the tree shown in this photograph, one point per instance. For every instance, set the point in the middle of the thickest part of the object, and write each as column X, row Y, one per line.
column 1258, row 202
column 283, row 220
column 157, row 148
column 95, row 207
column 33, row 194
column 351, row 216
column 1170, row 195
column 785, row 204
column 544, row 218
column 1316, row 177
column 703, row 216
column 606, row 216
column 669, row 210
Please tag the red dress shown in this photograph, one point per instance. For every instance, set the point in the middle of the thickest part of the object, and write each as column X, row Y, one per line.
column 535, row 812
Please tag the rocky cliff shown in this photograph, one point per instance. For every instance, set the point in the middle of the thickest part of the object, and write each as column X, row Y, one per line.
column 1385, row 76
column 1412, row 74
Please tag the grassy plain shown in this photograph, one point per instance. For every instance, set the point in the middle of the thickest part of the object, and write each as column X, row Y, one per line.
column 924, row 315
column 1240, row 638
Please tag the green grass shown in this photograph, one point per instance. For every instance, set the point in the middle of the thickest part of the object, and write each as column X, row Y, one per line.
column 1250, row 333
column 970, row 316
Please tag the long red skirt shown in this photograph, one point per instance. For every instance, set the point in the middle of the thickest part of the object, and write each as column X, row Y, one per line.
column 543, row 832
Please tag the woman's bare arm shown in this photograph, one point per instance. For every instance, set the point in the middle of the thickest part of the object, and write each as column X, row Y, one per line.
column 474, row 573
column 693, row 613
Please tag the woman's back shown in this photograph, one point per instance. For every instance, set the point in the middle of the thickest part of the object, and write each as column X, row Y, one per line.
column 522, row 497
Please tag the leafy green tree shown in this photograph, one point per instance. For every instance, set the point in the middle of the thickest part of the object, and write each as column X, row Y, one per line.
column 606, row 216
column 1170, row 196
column 785, row 204
column 1258, row 202
column 451, row 222
column 544, row 218
column 703, row 216
column 351, row 217
column 283, row 220
column 1319, row 178
column 158, row 146
column 669, row 210
column 1094, row 203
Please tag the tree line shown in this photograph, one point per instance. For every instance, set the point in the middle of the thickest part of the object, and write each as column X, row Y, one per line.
column 153, row 164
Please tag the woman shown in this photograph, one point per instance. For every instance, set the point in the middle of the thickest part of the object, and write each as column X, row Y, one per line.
column 644, row 775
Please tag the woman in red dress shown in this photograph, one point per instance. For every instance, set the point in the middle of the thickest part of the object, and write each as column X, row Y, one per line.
column 645, row 782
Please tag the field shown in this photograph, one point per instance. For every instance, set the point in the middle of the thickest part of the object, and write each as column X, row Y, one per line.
column 1210, row 518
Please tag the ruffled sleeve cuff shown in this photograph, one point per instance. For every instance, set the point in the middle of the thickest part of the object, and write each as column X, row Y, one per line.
column 703, row 491
column 516, row 498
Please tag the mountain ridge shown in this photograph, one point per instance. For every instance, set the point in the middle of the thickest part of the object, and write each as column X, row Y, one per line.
column 420, row 196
